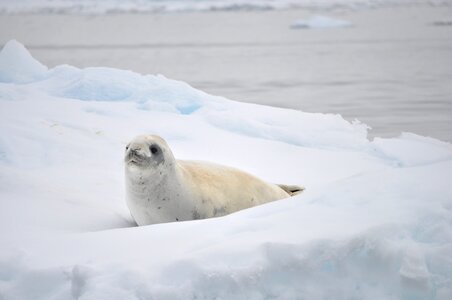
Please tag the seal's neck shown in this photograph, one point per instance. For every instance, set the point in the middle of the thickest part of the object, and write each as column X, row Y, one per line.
column 155, row 181
column 157, row 197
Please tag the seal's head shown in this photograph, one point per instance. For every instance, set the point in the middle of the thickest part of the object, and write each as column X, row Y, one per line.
column 147, row 152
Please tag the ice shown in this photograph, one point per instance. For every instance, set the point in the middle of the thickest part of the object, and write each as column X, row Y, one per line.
column 142, row 6
column 445, row 22
column 17, row 65
column 106, row 84
column 320, row 22
column 410, row 149
column 375, row 221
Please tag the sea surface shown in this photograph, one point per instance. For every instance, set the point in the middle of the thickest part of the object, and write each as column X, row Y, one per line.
column 392, row 69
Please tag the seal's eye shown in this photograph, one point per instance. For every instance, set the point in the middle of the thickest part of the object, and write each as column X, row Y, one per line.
column 127, row 147
column 153, row 149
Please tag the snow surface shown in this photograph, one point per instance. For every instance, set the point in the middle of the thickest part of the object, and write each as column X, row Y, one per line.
column 320, row 22
column 374, row 223
column 158, row 6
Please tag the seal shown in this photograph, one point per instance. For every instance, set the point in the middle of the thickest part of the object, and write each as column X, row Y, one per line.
column 161, row 189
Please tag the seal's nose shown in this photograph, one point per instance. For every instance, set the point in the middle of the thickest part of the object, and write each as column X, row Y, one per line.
column 135, row 152
column 138, row 151
column 135, row 149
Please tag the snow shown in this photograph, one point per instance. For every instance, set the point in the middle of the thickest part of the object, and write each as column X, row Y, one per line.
column 320, row 22
column 374, row 223
column 159, row 6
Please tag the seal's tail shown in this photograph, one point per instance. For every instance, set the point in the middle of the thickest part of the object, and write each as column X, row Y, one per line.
column 292, row 190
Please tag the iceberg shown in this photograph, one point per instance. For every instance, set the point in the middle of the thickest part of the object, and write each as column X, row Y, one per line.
column 375, row 221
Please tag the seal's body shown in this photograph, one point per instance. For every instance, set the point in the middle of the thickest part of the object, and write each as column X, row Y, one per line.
column 162, row 189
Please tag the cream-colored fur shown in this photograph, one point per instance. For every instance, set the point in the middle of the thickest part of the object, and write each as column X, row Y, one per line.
column 162, row 189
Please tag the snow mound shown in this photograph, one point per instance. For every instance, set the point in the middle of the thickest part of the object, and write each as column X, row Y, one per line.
column 106, row 84
column 374, row 223
column 17, row 65
column 320, row 22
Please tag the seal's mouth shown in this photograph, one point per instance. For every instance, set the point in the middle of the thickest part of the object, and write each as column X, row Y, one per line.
column 133, row 161
column 132, row 158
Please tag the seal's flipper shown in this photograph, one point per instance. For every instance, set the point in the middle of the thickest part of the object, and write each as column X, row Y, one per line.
column 292, row 190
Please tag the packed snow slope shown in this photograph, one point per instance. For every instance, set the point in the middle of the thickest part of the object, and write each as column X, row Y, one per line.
column 375, row 221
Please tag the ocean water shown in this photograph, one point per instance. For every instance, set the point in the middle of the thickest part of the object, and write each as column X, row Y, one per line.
column 392, row 69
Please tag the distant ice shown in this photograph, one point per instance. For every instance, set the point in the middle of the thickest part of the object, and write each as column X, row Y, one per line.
column 445, row 22
column 320, row 22
column 157, row 6
column 375, row 221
